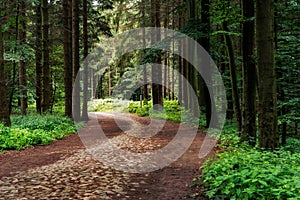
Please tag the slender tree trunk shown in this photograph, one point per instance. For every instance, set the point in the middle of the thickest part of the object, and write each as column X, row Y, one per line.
column 166, row 68
column 86, row 69
column 267, row 113
column 156, row 73
column 180, row 67
column 233, row 78
column 145, row 86
column 4, row 112
column 67, row 57
column 22, row 63
column 205, row 42
column 280, row 73
column 75, row 59
column 11, row 95
column 249, row 75
column 38, row 58
column 185, row 76
column 46, row 78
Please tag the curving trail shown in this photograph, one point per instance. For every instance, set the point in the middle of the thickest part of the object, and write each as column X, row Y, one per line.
column 65, row 170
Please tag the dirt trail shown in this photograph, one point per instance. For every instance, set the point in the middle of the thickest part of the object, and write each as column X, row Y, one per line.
column 64, row 170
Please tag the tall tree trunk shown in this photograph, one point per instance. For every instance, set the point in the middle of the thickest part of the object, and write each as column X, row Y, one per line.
column 67, row 57
column 267, row 113
column 4, row 111
column 145, row 86
column 233, row 78
column 46, row 77
column 75, row 59
column 205, row 42
column 38, row 58
column 249, row 75
column 86, row 70
column 180, row 67
column 22, row 63
column 11, row 95
column 280, row 75
column 156, row 73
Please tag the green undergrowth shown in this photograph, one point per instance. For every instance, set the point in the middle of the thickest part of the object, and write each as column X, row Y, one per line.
column 108, row 105
column 32, row 130
column 171, row 111
column 244, row 172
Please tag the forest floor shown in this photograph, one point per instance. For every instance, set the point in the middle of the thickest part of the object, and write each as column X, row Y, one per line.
column 65, row 170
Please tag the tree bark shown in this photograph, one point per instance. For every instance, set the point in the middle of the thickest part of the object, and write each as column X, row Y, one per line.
column 67, row 57
column 233, row 78
column 249, row 75
column 46, row 78
column 145, row 86
column 4, row 111
column 75, row 59
column 22, row 63
column 205, row 42
column 156, row 73
column 267, row 113
column 86, row 69
column 38, row 58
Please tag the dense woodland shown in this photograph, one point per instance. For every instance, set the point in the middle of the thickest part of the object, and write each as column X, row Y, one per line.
column 254, row 45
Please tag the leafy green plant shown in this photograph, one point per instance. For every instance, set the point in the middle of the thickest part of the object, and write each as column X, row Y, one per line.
column 243, row 172
column 252, row 174
column 34, row 130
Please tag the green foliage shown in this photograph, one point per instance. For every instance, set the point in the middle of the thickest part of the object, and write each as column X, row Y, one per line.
column 108, row 105
column 251, row 174
column 242, row 172
column 137, row 109
column 33, row 130
column 172, row 111
column 292, row 145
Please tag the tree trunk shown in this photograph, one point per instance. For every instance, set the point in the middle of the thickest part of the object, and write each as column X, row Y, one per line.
column 86, row 70
column 75, row 59
column 267, row 113
column 145, row 86
column 11, row 95
column 4, row 111
column 67, row 57
column 46, row 78
column 156, row 73
column 68, row 73
column 180, row 87
column 205, row 42
column 22, row 63
column 249, row 75
column 38, row 58
column 233, row 78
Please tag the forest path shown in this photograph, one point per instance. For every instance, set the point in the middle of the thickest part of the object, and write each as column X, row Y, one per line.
column 65, row 170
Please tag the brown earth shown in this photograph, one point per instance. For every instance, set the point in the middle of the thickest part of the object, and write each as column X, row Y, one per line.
column 171, row 182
